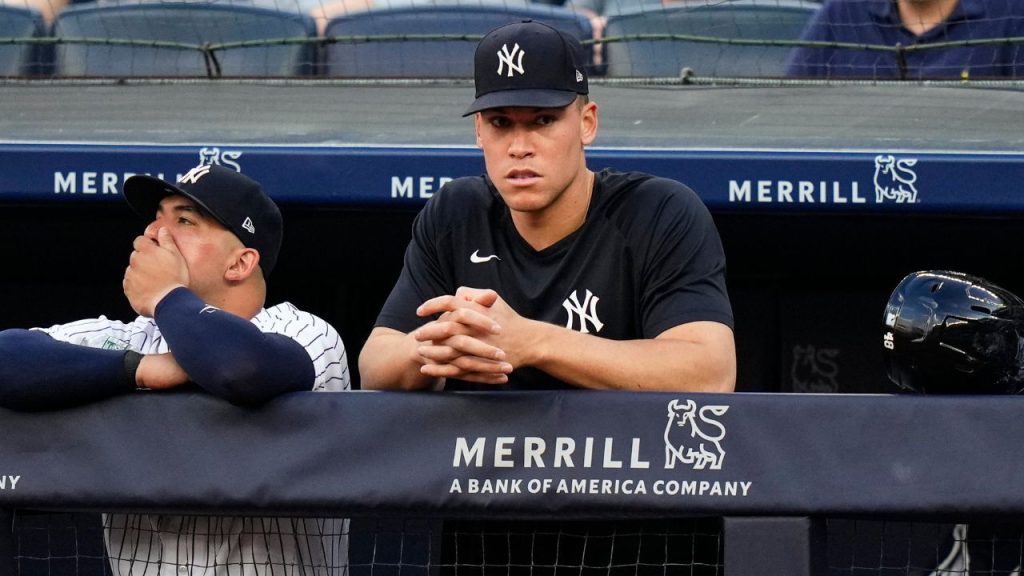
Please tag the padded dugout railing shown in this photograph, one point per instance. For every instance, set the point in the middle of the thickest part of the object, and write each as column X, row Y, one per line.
column 767, row 462
column 776, row 454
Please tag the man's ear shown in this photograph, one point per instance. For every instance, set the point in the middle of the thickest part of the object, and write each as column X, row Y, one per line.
column 588, row 123
column 244, row 263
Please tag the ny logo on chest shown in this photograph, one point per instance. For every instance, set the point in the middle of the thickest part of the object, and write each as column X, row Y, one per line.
column 583, row 314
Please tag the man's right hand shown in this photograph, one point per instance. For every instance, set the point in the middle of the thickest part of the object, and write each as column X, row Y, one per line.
column 155, row 268
column 160, row 372
column 458, row 343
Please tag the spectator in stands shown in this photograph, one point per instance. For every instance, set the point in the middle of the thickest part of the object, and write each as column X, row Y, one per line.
column 197, row 279
column 907, row 23
column 543, row 274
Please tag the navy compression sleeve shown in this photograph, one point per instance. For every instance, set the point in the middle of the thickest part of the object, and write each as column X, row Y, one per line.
column 229, row 356
column 38, row 372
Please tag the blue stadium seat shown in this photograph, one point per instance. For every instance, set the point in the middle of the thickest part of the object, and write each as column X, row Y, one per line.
column 741, row 19
column 192, row 23
column 427, row 58
column 15, row 22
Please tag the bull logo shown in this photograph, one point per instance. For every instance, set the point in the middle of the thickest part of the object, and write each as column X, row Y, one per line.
column 815, row 369
column 894, row 179
column 213, row 155
column 693, row 442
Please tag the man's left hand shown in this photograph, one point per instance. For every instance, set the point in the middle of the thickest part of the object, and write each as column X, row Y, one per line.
column 474, row 339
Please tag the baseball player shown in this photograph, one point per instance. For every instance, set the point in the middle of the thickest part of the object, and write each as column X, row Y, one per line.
column 542, row 274
column 197, row 279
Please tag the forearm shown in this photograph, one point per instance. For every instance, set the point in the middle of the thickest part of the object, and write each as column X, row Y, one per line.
column 229, row 356
column 39, row 372
column 389, row 361
column 669, row 363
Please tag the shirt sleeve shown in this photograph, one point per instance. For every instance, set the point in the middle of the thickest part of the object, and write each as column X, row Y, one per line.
column 1017, row 50
column 318, row 338
column 229, row 356
column 684, row 268
column 39, row 372
column 98, row 332
column 808, row 62
column 423, row 274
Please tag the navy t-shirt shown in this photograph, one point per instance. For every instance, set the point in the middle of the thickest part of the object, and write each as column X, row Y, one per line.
column 647, row 258
column 878, row 22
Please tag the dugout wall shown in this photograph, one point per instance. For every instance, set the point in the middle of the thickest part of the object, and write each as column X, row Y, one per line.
column 807, row 290
column 604, row 457
column 795, row 177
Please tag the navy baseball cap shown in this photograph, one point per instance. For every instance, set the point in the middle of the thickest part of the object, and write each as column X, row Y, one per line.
column 233, row 199
column 527, row 64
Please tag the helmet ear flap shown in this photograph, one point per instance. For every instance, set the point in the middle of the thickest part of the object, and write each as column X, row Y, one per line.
column 952, row 333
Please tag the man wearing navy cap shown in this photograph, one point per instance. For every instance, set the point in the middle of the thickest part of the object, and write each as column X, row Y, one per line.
column 197, row 279
column 542, row 274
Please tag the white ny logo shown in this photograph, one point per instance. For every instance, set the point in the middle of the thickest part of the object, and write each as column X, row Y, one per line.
column 585, row 312
column 505, row 58
column 195, row 174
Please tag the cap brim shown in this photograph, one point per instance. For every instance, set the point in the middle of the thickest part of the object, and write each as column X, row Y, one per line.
column 522, row 98
column 144, row 194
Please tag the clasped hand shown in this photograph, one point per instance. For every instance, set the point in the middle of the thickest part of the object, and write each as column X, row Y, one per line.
column 468, row 339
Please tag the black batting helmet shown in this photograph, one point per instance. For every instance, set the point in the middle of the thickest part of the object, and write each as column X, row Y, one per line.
column 953, row 333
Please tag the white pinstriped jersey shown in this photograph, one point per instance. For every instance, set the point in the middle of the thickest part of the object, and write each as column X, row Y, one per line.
column 320, row 339
column 162, row 545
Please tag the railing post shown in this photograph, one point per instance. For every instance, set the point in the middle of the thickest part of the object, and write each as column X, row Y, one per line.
column 7, row 545
column 774, row 546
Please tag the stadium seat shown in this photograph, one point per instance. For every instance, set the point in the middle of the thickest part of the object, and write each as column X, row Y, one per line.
column 187, row 23
column 741, row 19
column 15, row 22
column 430, row 58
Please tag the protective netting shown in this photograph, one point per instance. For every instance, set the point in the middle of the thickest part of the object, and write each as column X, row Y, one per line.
column 840, row 39
column 83, row 544
column 74, row 544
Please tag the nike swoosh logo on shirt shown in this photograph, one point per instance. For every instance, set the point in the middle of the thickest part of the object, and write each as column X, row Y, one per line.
column 476, row 258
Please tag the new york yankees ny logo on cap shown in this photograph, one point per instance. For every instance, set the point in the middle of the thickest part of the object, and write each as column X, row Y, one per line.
column 233, row 199
column 527, row 64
